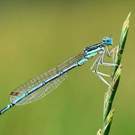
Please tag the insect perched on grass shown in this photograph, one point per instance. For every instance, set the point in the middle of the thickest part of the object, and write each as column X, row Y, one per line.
column 43, row 84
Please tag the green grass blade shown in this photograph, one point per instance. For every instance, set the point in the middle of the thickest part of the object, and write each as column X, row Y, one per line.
column 108, row 112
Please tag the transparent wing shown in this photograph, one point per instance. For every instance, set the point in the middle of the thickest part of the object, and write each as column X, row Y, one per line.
column 46, row 89
column 40, row 93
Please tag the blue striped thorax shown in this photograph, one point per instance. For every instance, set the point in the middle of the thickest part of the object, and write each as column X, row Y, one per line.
column 92, row 50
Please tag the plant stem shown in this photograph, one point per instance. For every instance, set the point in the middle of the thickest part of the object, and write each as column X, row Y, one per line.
column 108, row 112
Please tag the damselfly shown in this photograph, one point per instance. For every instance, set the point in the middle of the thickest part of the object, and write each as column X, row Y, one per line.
column 43, row 84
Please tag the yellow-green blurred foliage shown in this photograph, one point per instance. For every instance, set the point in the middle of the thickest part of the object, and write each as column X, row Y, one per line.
column 36, row 36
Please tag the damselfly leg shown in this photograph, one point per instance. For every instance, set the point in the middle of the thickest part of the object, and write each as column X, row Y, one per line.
column 100, row 61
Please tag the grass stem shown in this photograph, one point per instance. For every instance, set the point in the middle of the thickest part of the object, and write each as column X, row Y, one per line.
column 108, row 112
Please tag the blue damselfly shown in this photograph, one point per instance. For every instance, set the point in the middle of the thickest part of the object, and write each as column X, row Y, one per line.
column 43, row 84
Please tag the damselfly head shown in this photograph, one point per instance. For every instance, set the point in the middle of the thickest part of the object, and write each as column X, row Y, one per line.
column 107, row 41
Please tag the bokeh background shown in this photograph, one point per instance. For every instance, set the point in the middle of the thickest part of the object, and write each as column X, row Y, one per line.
column 36, row 36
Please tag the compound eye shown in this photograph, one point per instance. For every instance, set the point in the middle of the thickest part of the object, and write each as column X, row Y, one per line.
column 108, row 41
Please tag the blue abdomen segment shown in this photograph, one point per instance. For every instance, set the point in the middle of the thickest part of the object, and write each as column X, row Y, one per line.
column 6, row 108
column 82, row 61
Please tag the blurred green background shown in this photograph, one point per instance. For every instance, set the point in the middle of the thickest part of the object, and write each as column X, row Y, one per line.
column 36, row 36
